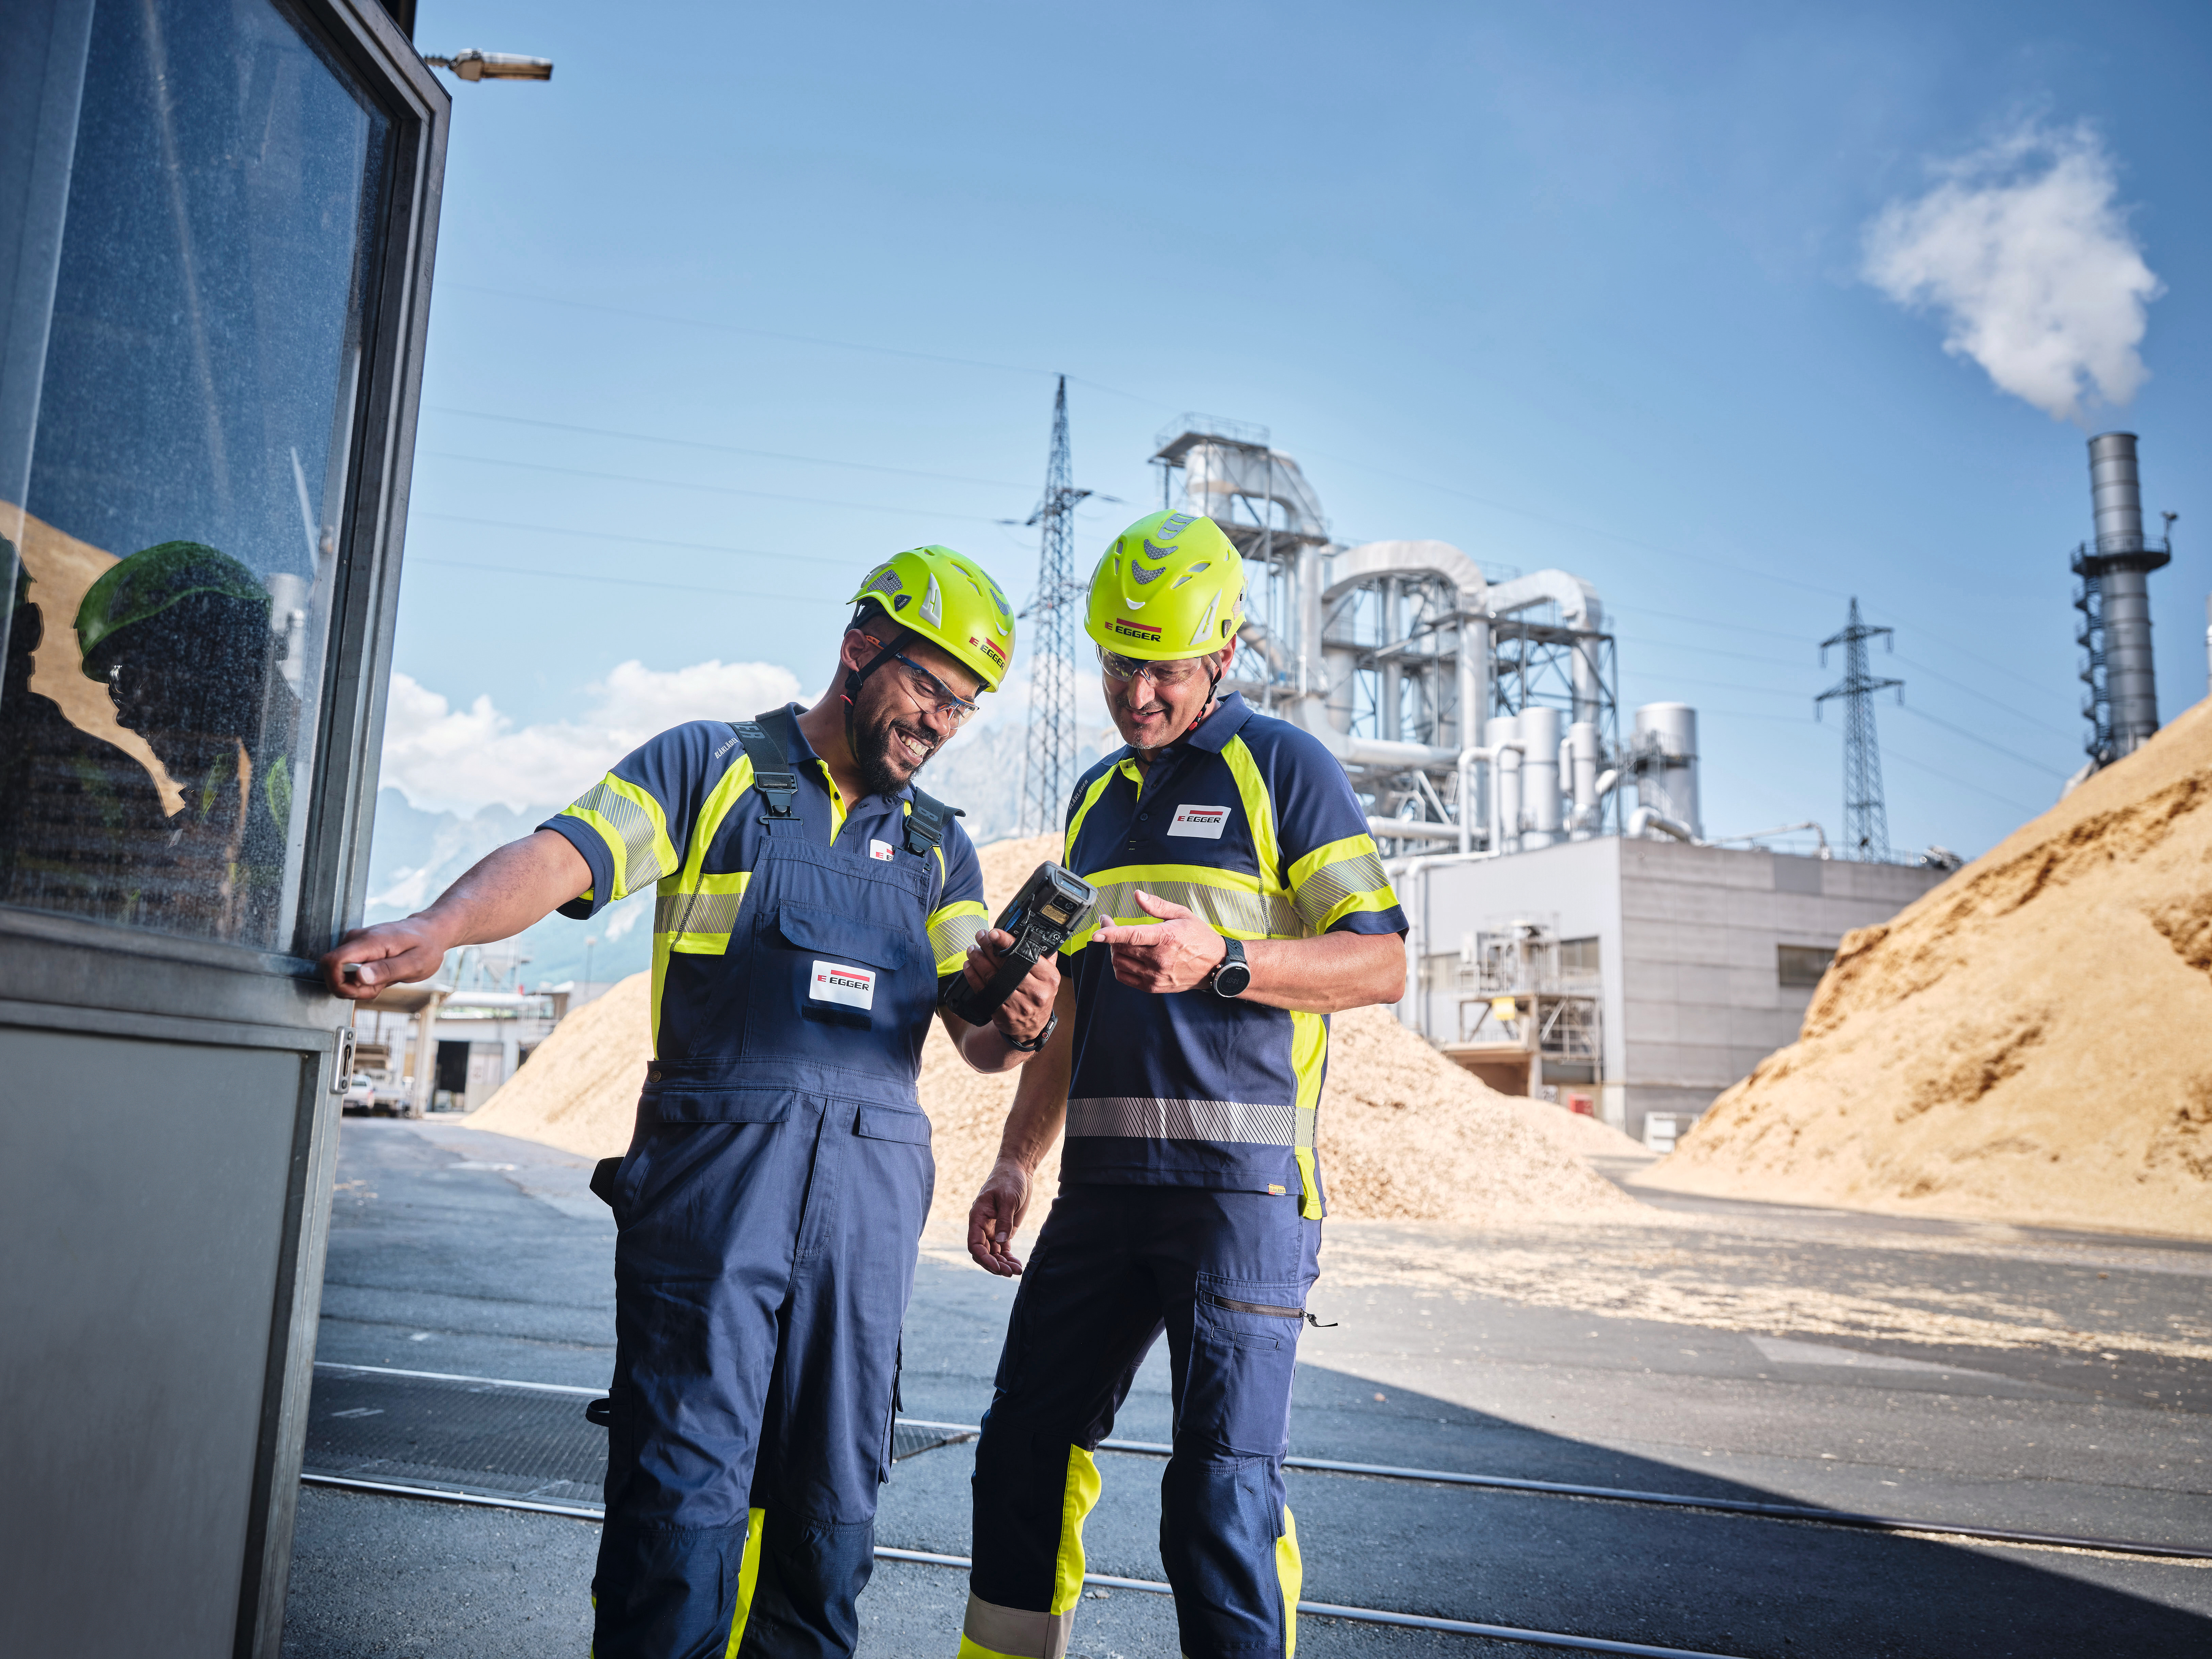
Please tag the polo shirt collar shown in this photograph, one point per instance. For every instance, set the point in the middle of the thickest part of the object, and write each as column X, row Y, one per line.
column 1212, row 733
column 784, row 723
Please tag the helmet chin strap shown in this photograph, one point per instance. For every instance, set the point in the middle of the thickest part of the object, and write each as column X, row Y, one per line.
column 857, row 678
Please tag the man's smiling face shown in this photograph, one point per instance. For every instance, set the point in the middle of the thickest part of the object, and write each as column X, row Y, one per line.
column 897, row 724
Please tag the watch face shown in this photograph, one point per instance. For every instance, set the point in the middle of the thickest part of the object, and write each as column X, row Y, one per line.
column 1232, row 979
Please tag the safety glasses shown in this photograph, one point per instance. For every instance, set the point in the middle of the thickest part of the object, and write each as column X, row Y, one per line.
column 1165, row 675
column 930, row 692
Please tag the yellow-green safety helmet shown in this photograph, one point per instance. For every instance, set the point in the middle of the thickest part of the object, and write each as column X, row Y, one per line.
column 1170, row 585
column 947, row 598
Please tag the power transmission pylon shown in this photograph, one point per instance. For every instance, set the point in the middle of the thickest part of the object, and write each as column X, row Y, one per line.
column 1048, row 769
column 1866, row 819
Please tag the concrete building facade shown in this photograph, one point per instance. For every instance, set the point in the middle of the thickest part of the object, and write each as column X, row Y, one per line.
column 1696, row 962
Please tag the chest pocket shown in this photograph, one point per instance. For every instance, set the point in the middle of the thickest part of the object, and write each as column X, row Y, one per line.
column 839, row 973
column 810, row 927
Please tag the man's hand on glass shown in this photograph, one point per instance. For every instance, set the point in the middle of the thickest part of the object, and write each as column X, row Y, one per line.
column 1022, row 1017
column 1177, row 952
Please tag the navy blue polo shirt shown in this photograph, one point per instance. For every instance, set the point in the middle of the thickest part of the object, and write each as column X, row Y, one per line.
column 1250, row 822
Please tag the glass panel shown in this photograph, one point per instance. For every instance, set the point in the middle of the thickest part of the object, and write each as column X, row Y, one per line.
column 179, row 535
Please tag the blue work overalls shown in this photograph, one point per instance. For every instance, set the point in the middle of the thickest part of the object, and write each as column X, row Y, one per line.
column 769, row 1212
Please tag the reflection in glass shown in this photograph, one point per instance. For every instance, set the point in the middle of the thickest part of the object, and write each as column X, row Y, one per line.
column 175, row 551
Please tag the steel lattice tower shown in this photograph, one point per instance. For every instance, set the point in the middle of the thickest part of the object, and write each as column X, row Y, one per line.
column 1866, row 819
column 1048, row 770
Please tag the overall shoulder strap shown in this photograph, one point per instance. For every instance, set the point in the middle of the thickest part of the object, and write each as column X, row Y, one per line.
column 927, row 824
column 772, row 777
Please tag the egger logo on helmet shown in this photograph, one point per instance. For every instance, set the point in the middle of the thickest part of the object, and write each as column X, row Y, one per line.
column 1170, row 585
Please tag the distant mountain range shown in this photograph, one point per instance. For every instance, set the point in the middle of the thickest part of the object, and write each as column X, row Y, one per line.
column 415, row 855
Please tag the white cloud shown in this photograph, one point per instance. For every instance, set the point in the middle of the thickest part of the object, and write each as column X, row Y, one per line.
column 2023, row 251
column 459, row 759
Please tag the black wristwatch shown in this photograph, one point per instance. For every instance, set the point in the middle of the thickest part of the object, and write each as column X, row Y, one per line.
column 1233, row 974
column 1051, row 1024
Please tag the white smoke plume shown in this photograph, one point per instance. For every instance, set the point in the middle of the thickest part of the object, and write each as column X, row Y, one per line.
column 2023, row 251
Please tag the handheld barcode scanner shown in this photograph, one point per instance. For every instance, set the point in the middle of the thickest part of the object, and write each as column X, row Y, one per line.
column 1052, row 906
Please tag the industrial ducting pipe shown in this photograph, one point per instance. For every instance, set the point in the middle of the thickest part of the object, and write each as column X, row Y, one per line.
column 1505, row 735
column 1587, row 787
column 1666, row 743
column 1645, row 817
column 1539, row 776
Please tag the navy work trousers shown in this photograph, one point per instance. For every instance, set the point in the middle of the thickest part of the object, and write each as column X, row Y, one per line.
column 1226, row 1275
column 762, row 1271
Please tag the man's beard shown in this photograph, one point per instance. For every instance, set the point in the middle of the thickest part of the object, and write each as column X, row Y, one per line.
column 883, row 758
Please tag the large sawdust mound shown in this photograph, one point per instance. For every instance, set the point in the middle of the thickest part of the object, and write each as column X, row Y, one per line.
column 578, row 1090
column 1405, row 1134
column 2026, row 1043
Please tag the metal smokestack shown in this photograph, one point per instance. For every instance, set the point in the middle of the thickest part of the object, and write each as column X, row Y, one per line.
column 2116, row 493
column 2122, row 706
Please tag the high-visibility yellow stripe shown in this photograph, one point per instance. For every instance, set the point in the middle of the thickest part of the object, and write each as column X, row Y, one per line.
column 1309, row 1058
column 1231, row 902
column 1335, row 852
column 1259, row 812
column 971, row 1649
column 630, row 822
column 700, row 922
column 952, row 929
column 1091, row 799
column 1309, row 1183
column 748, row 1580
column 1076, row 1502
column 1373, row 901
column 1344, row 877
column 712, row 810
column 1290, row 1574
column 660, row 945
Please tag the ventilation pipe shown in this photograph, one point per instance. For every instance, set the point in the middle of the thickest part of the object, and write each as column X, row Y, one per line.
column 1579, row 609
column 1667, row 741
column 1539, row 776
column 1503, row 736
column 1579, row 765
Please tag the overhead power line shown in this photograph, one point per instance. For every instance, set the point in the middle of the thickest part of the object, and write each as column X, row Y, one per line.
column 718, row 449
column 711, row 489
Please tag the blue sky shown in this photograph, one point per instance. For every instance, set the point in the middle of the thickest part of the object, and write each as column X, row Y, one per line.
column 1565, row 285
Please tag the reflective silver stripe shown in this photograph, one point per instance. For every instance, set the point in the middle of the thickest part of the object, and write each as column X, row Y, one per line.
column 951, row 936
column 1016, row 1634
column 1224, row 908
column 695, row 913
column 1330, row 885
column 630, row 822
column 1145, row 1118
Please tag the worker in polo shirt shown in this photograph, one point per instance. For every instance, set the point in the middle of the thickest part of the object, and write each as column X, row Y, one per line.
column 1241, row 900
column 811, row 903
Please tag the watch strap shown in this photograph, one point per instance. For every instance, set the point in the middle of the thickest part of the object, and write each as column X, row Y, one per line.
column 1051, row 1024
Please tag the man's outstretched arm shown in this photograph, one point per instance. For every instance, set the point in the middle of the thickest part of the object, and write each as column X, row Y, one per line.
column 503, row 893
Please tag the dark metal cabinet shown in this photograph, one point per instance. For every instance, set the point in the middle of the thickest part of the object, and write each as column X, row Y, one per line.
column 216, row 225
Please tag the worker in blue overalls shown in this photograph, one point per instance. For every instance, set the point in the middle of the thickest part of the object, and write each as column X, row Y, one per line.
column 1240, row 900
column 810, row 903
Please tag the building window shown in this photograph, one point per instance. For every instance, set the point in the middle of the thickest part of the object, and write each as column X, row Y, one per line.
column 174, row 544
column 1578, row 958
column 1801, row 964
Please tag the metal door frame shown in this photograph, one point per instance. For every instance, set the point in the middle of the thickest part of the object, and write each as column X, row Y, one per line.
column 63, row 973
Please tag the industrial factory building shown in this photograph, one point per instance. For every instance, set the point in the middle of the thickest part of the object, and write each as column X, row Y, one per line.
column 1576, row 935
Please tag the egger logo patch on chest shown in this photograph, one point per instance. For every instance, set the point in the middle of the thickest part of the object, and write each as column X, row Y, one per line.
column 1204, row 821
column 839, row 983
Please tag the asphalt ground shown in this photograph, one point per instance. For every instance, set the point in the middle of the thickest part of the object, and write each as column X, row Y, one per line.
column 1983, row 1377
